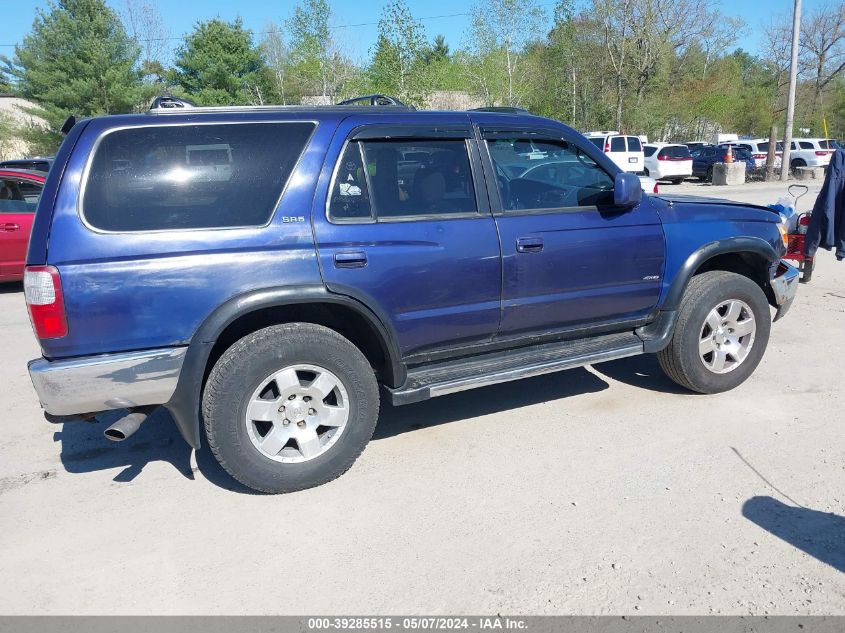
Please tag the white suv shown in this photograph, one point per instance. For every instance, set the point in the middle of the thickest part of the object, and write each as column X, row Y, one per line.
column 625, row 151
column 811, row 152
column 759, row 148
column 668, row 161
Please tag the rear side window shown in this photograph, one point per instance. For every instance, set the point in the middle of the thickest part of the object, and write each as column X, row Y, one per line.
column 634, row 144
column 828, row 144
column 806, row 145
column 191, row 176
column 598, row 141
column 648, row 151
column 617, row 144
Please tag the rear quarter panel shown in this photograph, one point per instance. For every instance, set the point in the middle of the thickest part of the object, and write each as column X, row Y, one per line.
column 131, row 291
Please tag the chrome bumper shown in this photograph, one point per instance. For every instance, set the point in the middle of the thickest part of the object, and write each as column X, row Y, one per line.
column 785, row 286
column 112, row 381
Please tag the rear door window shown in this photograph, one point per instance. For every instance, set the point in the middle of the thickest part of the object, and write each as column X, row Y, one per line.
column 598, row 141
column 648, row 151
column 806, row 145
column 389, row 179
column 191, row 176
column 617, row 144
column 634, row 144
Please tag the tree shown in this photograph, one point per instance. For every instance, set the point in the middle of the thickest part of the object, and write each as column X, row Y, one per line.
column 500, row 31
column 147, row 28
column 219, row 65
column 438, row 52
column 277, row 55
column 316, row 60
column 76, row 60
column 398, row 66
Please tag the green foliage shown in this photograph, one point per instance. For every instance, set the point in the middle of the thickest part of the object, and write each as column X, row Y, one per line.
column 399, row 66
column 220, row 65
column 77, row 60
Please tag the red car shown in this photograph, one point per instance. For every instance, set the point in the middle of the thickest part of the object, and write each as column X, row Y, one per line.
column 19, row 193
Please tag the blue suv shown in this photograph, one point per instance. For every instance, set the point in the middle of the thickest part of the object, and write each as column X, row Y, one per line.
column 269, row 274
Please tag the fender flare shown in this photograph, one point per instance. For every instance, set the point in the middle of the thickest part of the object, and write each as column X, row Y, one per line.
column 755, row 245
column 657, row 334
column 185, row 402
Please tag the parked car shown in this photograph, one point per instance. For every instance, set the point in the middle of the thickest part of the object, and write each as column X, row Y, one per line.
column 649, row 184
column 349, row 254
column 759, row 149
column 38, row 163
column 694, row 144
column 668, row 161
column 19, row 193
column 704, row 158
column 625, row 151
column 811, row 152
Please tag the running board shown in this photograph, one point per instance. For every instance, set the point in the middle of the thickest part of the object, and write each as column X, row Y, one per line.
column 444, row 377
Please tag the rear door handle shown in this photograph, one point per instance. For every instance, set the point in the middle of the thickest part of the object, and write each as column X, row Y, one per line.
column 354, row 259
column 529, row 244
column 11, row 226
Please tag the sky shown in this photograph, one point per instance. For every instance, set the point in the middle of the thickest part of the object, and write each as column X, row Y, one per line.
column 355, row 20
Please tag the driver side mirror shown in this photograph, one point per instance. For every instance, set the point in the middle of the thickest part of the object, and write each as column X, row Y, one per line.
column 627, row 190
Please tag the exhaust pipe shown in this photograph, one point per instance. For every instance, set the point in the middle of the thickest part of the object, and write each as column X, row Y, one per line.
column 128, row 424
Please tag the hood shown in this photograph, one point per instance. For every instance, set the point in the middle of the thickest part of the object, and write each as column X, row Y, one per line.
column 694, row 206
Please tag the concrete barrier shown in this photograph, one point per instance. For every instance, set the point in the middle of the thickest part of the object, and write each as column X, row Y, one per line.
column 729, row 173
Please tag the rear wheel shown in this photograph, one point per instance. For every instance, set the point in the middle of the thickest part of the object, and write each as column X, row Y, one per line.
column 798, row 162
column 290, row 407
column 721, row 334
column 708, row 177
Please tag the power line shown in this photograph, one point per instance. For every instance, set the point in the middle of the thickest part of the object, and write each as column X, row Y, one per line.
column 333, row 27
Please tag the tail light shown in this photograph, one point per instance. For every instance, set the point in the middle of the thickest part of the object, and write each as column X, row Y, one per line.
column 759, row 156
column 803, row 223
column 655, row 188
column 43, row 292
column 661, row 157
column 606, row 147
column 821, row 153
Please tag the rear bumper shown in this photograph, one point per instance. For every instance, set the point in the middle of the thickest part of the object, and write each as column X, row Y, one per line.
column 784, row 286
column 111, row 381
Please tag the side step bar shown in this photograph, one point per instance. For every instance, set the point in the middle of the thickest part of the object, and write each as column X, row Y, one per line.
column 438, row 379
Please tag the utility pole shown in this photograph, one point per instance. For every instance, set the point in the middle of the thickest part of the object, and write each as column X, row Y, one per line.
column 790, row 103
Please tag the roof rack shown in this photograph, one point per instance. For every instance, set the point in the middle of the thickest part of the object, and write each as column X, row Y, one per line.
column 167, row 102
column 375, row 100
column 501, row 109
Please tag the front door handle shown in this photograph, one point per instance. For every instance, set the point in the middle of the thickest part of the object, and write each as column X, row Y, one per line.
column 11, row 226
column 353, row 259
column 529, row 244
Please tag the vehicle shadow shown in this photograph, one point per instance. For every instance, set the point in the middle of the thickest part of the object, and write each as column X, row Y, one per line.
column 85, row 450
column 11, row 287
column 641, row 371
column 819, row 534
column 483, row 401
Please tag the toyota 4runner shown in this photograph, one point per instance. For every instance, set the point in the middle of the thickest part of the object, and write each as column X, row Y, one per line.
column 269, row 274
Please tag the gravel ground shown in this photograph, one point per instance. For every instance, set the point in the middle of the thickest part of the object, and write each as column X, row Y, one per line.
column 603, row 490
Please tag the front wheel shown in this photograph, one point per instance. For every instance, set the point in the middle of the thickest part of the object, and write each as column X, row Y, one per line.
column 290, row 407
column 721, row 334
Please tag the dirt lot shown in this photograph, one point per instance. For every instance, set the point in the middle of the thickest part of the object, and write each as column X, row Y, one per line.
column 604, row 490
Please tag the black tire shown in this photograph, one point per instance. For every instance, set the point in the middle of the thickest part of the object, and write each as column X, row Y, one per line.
column 645, row 171
column 708, row 177
column 798, row 162
column 678, row 181
column 681, row 360
column 240, row 371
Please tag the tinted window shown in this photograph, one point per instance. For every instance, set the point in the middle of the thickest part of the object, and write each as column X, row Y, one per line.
column 598, row 141
column 675, row 151
column 648, row 151
column 806, row 145
column 191, row 176
column 617, row 144
column 634, row 144
column 350, row 197
column 828, row 144
column 403, row 179
column 18, row 196
column 566, row 177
